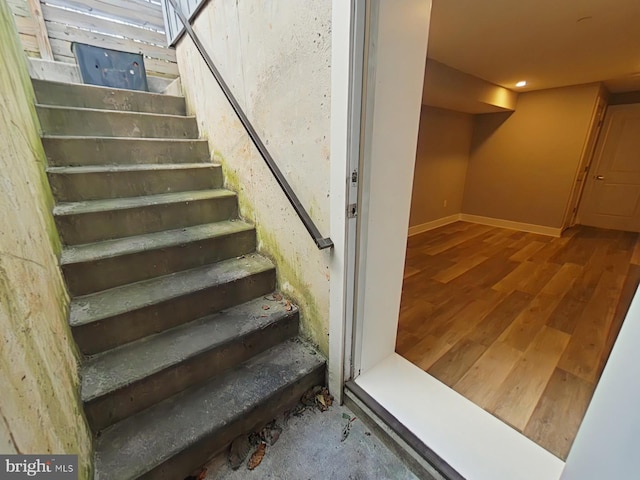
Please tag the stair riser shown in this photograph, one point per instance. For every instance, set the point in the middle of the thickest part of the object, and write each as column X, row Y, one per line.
column 92, row 227
column 55, row 121
column 109, row 333
column 189, row 460
column 83, row 96
column 113, row 151
column 74, row 187
column 89, row 277
column 108, row 410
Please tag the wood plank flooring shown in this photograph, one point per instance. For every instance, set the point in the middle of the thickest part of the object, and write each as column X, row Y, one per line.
column 519, row 323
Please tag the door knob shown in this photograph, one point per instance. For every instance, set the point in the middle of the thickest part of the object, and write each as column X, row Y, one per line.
column 599, row 177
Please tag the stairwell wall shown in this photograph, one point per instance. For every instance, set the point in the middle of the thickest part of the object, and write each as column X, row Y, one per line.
column 40, row 407
column 275, row 56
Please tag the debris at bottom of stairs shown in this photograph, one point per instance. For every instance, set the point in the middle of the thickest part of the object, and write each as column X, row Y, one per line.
column 238, row 451
column 305, row 443
column 317, row 396
column 347, row 428
column 257, row 456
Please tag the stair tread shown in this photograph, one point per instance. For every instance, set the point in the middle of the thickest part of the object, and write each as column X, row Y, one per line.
column 151, row 241
column 83, row 86
column 114, row 112
column 93, row 206
column 125, row 298
column 123, row 139
column 133, row 167
column 170, row 427
column 112, row 370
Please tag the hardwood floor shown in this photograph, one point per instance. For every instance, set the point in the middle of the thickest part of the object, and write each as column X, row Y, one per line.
column 519, row 323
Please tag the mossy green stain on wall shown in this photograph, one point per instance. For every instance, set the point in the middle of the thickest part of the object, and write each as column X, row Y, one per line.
column 232, row 182
column 38, row 360
column 289, row 278
column 14, row 61
column 282, row 89
column 295, row 288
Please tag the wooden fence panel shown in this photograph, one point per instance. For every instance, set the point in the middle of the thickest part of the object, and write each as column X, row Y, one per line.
column 134, row 26
column 89, row 22
column 19, row 8
column 26, row 26
column 30, row 45
column 72, row 34
column 137, row 12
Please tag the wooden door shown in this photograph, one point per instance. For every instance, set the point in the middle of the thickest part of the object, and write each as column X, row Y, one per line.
column 612, row 192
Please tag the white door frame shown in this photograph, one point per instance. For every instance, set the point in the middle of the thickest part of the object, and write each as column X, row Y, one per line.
column 347, row 56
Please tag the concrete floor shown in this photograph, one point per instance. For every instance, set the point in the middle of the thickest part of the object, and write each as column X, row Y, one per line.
column 310, row 447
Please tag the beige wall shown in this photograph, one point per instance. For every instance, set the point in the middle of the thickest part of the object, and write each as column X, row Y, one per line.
column 523, row 164
column 40, row 410
column 276, row 58
column 444, row 141
column 448, row 88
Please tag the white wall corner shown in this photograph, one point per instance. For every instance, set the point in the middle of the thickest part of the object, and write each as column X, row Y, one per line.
column 433, row 224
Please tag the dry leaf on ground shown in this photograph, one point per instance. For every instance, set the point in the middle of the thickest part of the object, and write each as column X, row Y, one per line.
column 257, row 456
column 309, row 397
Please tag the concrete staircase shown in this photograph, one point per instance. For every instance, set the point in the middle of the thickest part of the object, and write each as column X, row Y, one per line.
column 185, row 343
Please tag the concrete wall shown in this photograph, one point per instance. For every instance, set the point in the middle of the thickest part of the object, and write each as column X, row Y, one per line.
column 523, row 164
column 442, row 157
column 276, row 57
column 40, row 410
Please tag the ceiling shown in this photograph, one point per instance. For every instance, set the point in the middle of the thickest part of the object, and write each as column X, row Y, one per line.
column 548, row 43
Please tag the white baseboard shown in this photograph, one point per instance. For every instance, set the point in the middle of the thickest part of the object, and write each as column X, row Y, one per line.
column 492, row 222
column 440, row 222
column 523, row 227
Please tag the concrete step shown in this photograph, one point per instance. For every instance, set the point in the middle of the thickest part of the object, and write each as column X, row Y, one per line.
column 172, row 438
column 97, row 220
column 99, row 266
column 90, row 96
column 72, row 184
column 79, row 151
column 121, row 382
column 57, row 71
column 113, row 317
column 111, row 123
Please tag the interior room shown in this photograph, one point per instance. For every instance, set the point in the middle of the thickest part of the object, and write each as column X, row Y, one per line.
column 523, row 251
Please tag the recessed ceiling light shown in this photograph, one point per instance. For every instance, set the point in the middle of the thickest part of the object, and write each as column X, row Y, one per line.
column 521, row 83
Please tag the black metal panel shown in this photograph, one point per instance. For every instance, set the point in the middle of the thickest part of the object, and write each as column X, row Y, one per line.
column 110, row 68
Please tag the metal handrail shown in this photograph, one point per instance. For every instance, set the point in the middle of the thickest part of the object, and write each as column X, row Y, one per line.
column 321, row 242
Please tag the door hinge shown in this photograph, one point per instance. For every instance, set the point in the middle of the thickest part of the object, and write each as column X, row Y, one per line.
column 354, row 176
column 352, row 210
